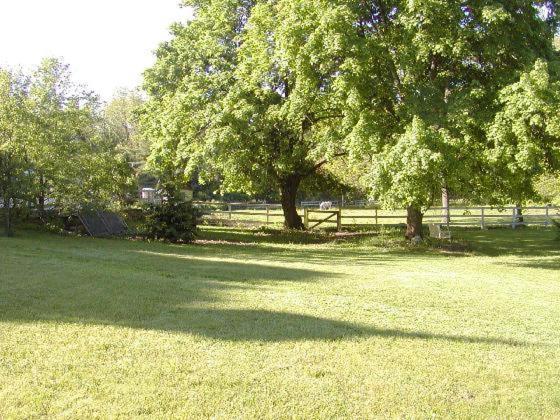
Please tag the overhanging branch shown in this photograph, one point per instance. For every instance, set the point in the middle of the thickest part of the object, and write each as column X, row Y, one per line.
column 322, row 163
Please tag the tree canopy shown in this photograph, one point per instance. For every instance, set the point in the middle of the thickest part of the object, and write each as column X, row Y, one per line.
column 249, row 100
column 52, row 145
column 422, row 92
column 15, row 180
column 425, row 87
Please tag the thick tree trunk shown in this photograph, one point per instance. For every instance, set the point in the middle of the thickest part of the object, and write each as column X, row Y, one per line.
column 288, row 191
column 414, row 223
column 519, row 214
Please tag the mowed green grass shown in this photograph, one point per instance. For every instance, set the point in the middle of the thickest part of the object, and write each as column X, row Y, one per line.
column 244, row 325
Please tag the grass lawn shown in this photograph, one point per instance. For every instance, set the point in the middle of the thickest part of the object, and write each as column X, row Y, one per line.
column 245, row 325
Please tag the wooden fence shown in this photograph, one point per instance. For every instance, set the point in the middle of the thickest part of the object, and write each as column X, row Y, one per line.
column 482, row 217
column 325, row 216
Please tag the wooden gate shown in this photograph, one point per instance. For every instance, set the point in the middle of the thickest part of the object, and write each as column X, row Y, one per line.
column 326, row 216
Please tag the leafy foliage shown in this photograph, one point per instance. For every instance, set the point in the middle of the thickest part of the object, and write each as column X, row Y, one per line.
column 548, row 188
column 526, row 132
column 75, row 163
column 424, row 83
column 172, row 221
column 15, row 177
column 266, row 93
column 52, row 146
column 238, row 93
column 120, row 120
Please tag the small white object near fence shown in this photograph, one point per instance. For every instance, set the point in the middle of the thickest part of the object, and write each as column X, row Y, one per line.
column 150, row 195
column 439, row 232
column 326, row 205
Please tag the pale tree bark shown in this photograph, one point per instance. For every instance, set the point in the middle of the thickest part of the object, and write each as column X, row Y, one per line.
column 6, row 187
column 42, row 195
column 446, row 217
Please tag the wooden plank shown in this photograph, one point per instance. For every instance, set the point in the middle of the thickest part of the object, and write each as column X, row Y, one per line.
column 320, row 222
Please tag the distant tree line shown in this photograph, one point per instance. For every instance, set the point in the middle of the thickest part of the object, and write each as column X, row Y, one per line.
column 60, row 146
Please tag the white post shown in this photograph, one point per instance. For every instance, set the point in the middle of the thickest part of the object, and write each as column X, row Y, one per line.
column 547, row 216
column 514, row 218
column 267, row 214
column 445, row 205
column 482, row 222
column 229, row 210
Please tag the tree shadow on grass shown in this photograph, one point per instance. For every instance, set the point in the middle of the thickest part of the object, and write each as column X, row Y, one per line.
column 270, row 326
column 378, row 247
column 534, row 248
column 538, row 263
column 149, row 287
column 173, row 288
column 524, row 242
column 262, row 236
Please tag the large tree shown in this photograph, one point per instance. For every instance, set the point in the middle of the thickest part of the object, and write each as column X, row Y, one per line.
column 424, row 82
column 247, row 90
column 525, row 134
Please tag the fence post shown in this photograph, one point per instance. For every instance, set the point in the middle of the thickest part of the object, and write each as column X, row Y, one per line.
column 514, row 218
column 339, row 220
column 376, row 217
column 229, row 210
column 267, row 214
column 306, row 218
column 547, row 216
column 482, row 221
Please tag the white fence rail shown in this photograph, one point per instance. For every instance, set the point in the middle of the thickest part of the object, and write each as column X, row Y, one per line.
column 482, row 217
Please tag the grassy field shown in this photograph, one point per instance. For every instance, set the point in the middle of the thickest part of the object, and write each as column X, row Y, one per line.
column 246, row 324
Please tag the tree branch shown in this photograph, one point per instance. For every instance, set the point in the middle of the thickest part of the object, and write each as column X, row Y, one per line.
column 320, row 164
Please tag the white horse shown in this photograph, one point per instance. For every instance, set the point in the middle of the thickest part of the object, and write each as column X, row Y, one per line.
column 326, row 205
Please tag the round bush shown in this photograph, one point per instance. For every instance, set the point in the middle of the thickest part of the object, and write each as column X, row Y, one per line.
column 174, row 222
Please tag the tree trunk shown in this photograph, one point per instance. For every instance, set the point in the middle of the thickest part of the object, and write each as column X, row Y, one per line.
column 288, row 191
column 41, row 204
column 519, row 214
column 41, row 197
column 6, row 197
column 414, row 223
column 8, row 217
column 446, row 218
